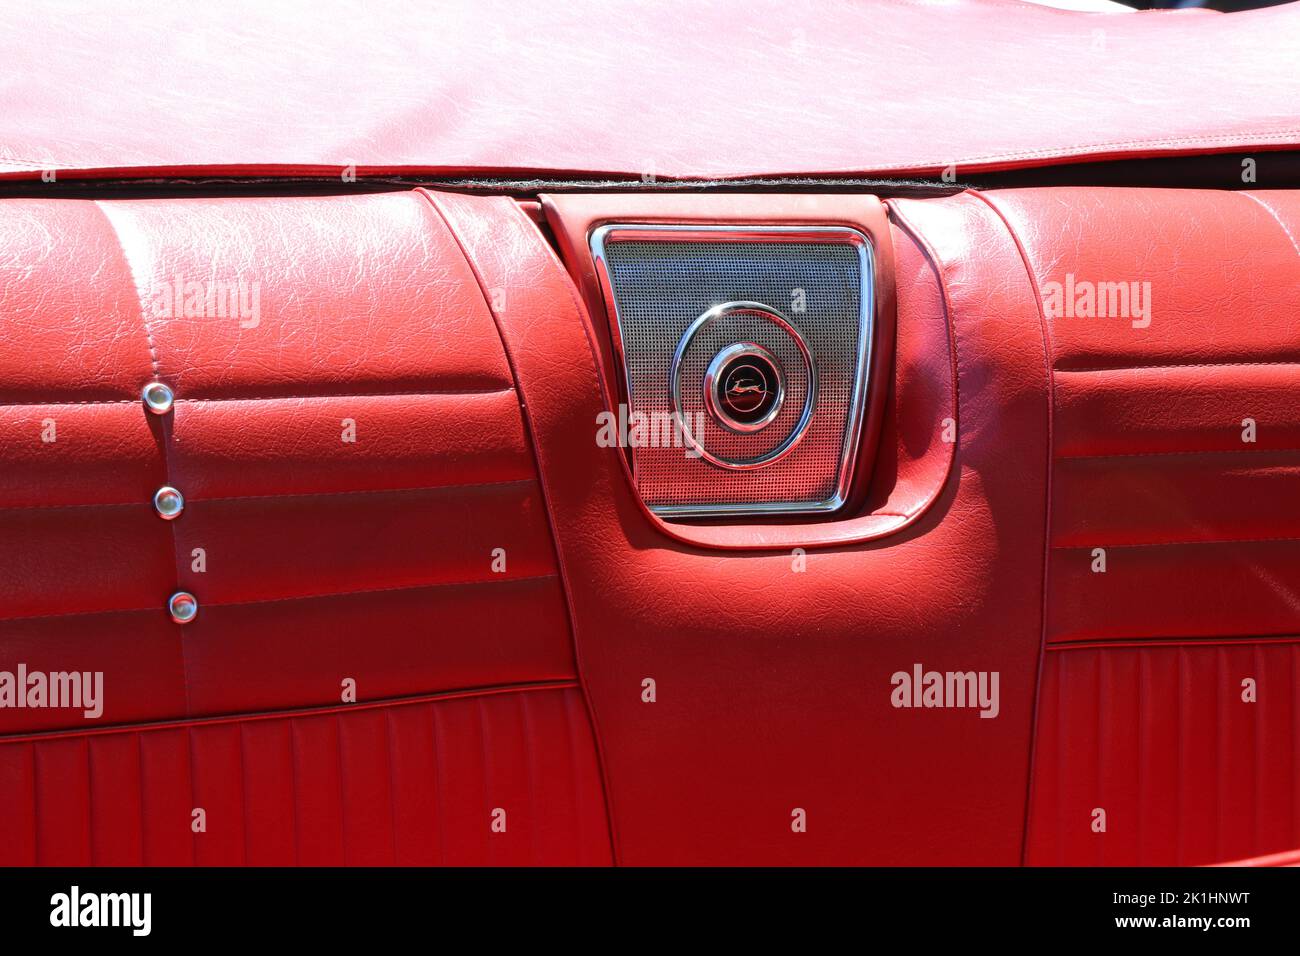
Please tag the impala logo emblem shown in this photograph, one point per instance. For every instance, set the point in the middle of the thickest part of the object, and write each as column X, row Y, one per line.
column 744, row 387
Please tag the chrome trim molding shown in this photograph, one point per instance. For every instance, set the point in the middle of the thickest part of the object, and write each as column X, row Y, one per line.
column 739, row 232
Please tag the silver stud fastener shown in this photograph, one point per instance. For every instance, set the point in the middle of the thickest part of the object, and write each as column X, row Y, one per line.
column 184, row 607
column 158, row 398
column 168, row 502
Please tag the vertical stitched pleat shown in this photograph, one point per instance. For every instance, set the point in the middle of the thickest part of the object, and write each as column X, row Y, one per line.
column 90, row 800
column 243, row 791
column 1188, row 771
column 416, row 810
column 115, row 817
column 581, row 838
column 193, row 802
column 1257, row 753
column 486, row 766
column 1058, row 765
column 1143, row 751
column 537, row 821
column 218, row 791
column 1114, row 816
column 440, row 786
column 406, row 784
column 343, row 797
column 165, row 790
column 293, row 778
column 139, row 763
column 367, row 789
column 271, row 817
column 319, row 793
column 19, row 805
column 1180, row 738
column 1222, row 735
column 390, row 777
column 62, row 799
column 1289, row 730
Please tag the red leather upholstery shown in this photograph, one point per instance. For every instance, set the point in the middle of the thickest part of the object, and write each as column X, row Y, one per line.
column 446, row 328
column 773, row 686
column 1142, row 712
column 324, row 560
column 1158, row 736
column 734, row 88
column 411, row 783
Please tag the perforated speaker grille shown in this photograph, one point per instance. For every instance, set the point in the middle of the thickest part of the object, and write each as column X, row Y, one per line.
column 661, row 279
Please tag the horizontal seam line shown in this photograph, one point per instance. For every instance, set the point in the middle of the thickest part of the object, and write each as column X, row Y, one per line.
column 434, row 697
column 1161, row 454
column 287, row 494
column 1138, row 368
column 88, row 401
column 1102, row 643
column 372, row 491
column 1168, row 544
column 111, row 610
column 161, row 608
column 180, row 399
column 273, row 398
column 89, row 504
column 404, row 587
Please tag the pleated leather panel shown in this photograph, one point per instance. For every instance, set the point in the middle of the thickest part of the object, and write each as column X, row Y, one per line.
column 1162, row 739
column 418, row 782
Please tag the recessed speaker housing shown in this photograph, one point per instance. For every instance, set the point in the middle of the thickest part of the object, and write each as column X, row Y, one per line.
column 756, row 340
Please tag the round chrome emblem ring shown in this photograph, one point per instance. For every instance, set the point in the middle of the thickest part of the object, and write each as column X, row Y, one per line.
column 764, row 313
column 744, row 387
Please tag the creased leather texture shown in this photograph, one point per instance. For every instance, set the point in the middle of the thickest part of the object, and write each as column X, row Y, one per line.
column 354, row 463
column 773, row 687
column 1159, row 737
column 1200, row 529
column 406, row 783
column 685, row 89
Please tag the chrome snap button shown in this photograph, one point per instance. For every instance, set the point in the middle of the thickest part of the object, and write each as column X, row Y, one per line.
column 168, row 502
column 158, row 398
column 184, row 607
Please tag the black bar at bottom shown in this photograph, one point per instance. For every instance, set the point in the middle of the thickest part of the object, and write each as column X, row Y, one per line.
column 545, row 907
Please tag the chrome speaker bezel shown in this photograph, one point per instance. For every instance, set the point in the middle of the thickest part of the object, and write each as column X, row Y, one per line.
column 609, row 232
